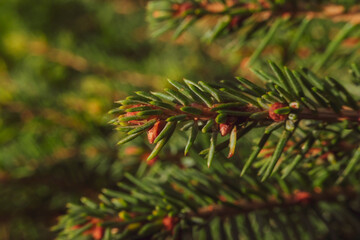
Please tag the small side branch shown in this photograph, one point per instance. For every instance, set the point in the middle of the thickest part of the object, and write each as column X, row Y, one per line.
column 297, row 198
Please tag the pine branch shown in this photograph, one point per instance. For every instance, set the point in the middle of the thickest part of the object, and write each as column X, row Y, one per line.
column 264, row 27
column 288, row 201
column 186, row 203
column 297, row 101
column 233, row 15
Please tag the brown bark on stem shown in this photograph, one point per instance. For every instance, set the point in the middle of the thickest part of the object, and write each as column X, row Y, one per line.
column 328, row 115
column 297, row 198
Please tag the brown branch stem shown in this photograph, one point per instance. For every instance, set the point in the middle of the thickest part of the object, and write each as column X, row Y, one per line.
column 333, row 12
column 297, row 198
column 328, row 115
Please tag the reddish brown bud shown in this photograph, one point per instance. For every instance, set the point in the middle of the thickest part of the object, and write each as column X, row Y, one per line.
column 98, row 232
column 325, row 156
column 133, row 151
column 129, row 114
column 181, row 8
column 170, row 222
column 225, row 128
column 76, row 227
column 235, row 22
column 317, row 189
column 264, row 3
column 151, row 161
column 274, row 116
column 153, row 132
column 303, row 197
column 222, row 198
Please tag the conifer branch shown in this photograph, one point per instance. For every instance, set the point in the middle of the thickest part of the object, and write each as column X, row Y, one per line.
column 233, row 15
column 187, row 202
column 288, row 201
column 289, row 101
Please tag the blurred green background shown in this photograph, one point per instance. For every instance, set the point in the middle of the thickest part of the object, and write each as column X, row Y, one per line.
column 63, row 63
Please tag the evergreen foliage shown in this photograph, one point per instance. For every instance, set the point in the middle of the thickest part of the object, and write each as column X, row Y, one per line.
column 300, row 104
column 62, row 65
column 271, row 154
column 297, row 182
column 287, row 29
column 216, row 203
